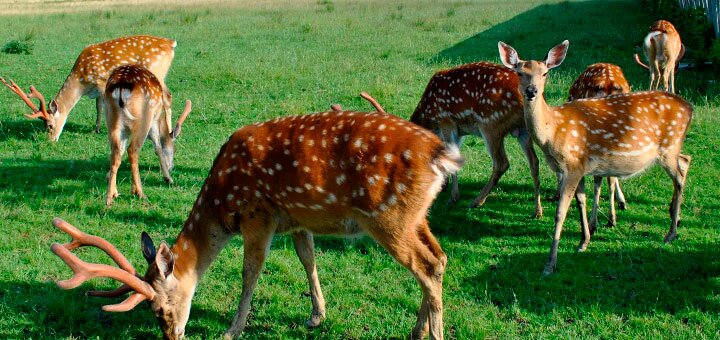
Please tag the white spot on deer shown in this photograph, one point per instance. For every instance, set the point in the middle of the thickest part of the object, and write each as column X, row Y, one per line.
column 217, row 201
column 298, row 190
column 388, row 158
column 340, row 179
column 295, row 163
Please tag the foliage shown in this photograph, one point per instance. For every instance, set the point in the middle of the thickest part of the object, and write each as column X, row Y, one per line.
column 17, row 47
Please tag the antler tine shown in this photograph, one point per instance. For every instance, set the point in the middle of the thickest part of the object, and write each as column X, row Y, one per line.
column 129, row 303
column 36, row 94
column 181, row 120
column 372, row 101
column 85, row 271
column 80, row 239
column 16, row 89
column 335, row 107
column 122, row 290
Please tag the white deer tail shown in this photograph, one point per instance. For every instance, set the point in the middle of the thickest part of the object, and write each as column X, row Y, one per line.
column 121, row 97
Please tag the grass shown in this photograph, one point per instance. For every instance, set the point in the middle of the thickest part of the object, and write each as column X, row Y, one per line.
column 243, row 63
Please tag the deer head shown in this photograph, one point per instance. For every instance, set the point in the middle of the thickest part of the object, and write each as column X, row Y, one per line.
column 532, row 73
column 168, row 299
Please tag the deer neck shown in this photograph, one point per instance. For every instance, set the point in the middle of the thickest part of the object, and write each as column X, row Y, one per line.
column 198, row 244
column 538, row 120
column 70, row 93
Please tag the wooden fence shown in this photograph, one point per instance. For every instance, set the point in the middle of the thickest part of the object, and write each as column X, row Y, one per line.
column 712, row 11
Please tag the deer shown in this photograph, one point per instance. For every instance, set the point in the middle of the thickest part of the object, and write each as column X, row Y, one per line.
column 482, row 99
column 138, row 106
column 620, row 135
column 601, row 80
column 663, row 50
column 90, row 73
column 337, row 173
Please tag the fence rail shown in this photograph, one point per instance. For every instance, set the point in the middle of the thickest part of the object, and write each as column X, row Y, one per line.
column 712, row 11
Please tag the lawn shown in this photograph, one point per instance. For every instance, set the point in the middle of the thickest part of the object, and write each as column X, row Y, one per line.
column 242, row 62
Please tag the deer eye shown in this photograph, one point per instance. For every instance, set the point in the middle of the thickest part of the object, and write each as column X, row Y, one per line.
column 545, row 74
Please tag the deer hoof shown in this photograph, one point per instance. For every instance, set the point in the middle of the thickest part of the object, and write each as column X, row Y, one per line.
column 622, row 206
column 315, row 320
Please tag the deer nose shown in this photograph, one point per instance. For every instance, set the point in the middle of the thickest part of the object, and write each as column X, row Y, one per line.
column 531, row 92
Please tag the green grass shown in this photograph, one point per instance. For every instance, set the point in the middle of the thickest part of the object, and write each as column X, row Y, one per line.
column 243, row 63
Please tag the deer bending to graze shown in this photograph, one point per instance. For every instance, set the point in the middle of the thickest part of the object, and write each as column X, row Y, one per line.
column 663, row 51
column 601, row 80
column 92, row 68
column 338, row 173
column 619, row 135
column 137, row 107
column 478, row 99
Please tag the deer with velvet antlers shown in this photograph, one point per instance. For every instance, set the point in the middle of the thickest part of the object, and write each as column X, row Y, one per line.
column 601, row 80
column 478, row 99
column 663, row 50
column 137, row 107
column 91, row 71
column 339, row 173
column 619, row 135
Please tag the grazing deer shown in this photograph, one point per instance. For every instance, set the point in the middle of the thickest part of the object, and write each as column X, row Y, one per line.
column 137, row 107
column 479, row 99
column 619, row 135
column 338, row 173
column 663, row 51
column 92, row 69
column 601, row 80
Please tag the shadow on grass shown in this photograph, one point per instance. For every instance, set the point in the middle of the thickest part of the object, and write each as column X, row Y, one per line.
column 45, row 311
column 595, row 36
column 35, row 129
column 639, row 281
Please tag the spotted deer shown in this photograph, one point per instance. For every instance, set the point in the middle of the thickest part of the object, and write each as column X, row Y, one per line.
column 663, row 50
column 478, row 99
column 138, row 106
column 601, row 80
column 619, row 135
column 338, row 173
column 92, row 68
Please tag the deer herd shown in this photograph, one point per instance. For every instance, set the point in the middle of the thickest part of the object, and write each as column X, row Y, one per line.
column 345, row 172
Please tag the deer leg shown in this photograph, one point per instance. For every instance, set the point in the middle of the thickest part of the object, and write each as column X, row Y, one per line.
column 655, row 74
column 527, row 146
column 612, row 186
column 500, row 165
column 597, row 189
column 305, row 249
column 677, row 168
column 133, row 157
column 622, row 204
column 418, row 251
column 568, row 186
column 580, row 199
column 117, row 149
column 256, row 247
column 666, row 77
column 99, row 108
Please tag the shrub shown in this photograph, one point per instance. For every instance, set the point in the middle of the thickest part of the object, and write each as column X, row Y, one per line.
column 17, row 47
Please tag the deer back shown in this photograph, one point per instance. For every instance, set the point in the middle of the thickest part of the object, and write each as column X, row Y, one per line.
column 475, row 96
column 95, row 62
column 134, row 97
column 324, row 167
column 599, row 80
column 639, row 124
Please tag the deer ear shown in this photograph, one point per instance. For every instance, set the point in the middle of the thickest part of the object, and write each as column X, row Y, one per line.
column 165, row 260
column 508, row 55
column 148, row 248
column 52, row 109
column 556, row 55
